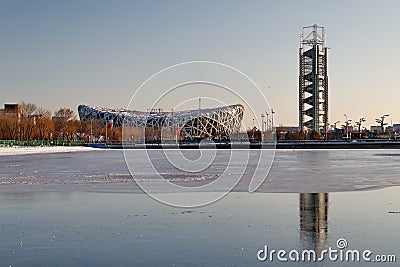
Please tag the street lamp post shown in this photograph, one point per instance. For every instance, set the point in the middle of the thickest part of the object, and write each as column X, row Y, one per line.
column 272, row 114
column 262, row 127
column 252, row 131
column 347, row 127
column 265, row 127
column 91, row 131
column 269, row 122
column 273, row 133
column 359, row 123
column 262, row 122
column 381, row 121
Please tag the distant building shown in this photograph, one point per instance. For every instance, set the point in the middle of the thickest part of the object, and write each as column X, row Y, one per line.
column 285, row 129
column 376, row 129
column 350, row 128
column 287, row 132
column 396, row 127
column 12, row 110
column 34, row 118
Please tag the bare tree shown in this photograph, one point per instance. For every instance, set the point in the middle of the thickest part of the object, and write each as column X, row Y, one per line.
column 9, row 128
column 43, row 112
column 64, row 113
column 44, row 124
column 61, row 118
column 26, row 129
column 27, row 109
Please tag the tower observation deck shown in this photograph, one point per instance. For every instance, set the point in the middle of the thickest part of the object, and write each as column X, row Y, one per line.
column 313, row 80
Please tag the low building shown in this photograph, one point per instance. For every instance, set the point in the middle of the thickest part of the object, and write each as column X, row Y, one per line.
column 285, row 129
column 12, row 110
column 287, row 132
column 376, row 129
column 350, row 128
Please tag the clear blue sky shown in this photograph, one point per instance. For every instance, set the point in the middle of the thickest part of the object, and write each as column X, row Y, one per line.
column 64, row 53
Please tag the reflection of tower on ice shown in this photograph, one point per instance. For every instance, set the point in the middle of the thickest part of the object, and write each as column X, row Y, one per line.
column 313, row 80
column 313, row 220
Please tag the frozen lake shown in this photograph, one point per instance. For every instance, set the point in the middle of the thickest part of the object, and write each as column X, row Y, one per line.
column 109, row 229
column 76, row 209
column 292, row 171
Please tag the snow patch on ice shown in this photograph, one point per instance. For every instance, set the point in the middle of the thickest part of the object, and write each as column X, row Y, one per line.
column 15, row 150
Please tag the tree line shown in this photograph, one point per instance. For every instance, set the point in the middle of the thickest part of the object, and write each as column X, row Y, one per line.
column 37, row 123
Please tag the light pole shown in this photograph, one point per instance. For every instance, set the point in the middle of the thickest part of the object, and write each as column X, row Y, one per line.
column 381, row 121
column 359, row 123
column 91, row 131
column 267, row 121
column 262, row 122
column 272, row 115
column 265, row 127
column 347, row 126
column 252, row 131
column 262, row 127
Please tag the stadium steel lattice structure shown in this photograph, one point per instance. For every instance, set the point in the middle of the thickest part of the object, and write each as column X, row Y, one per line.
column 313, row 80
column 200, row 123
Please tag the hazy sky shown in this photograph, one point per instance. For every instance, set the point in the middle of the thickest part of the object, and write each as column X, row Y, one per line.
column 64, row 53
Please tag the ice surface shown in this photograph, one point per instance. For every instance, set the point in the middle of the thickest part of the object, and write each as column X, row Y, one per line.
column 99, row 170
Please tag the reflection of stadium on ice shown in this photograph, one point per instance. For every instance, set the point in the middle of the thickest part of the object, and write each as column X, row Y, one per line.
column 222, row 123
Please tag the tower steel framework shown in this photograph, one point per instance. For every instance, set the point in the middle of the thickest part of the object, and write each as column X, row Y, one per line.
column 313, row 80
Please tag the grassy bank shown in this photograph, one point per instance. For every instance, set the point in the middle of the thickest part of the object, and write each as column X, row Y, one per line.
column 11, row 143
